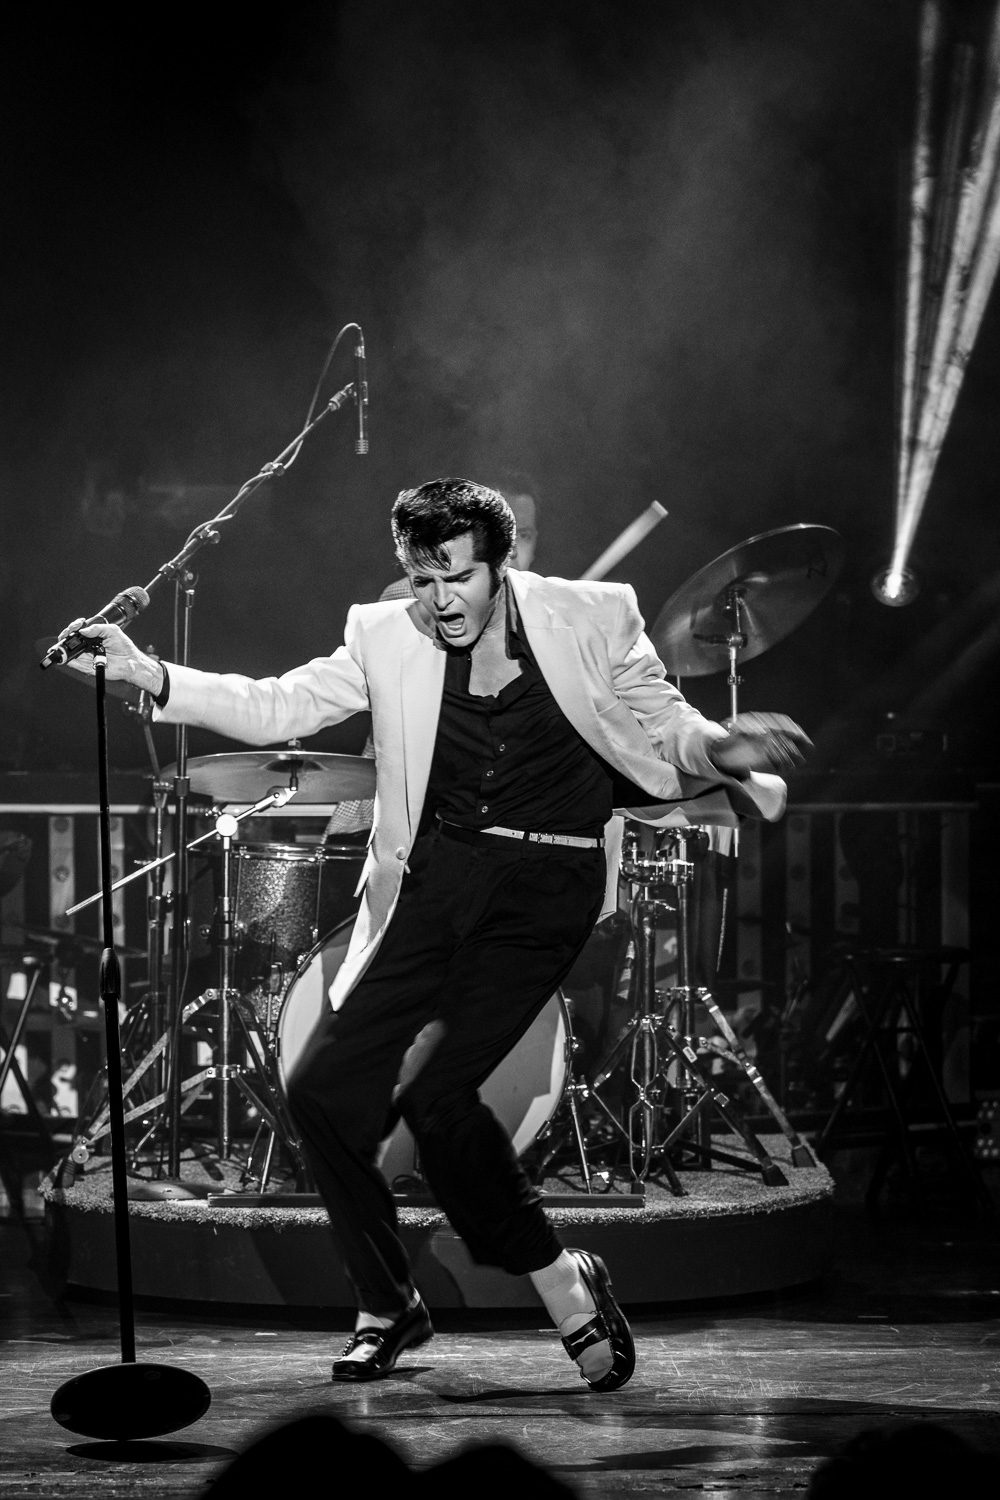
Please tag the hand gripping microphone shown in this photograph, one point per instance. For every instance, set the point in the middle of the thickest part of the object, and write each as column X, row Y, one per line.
column 360, row 396
column 123, row 608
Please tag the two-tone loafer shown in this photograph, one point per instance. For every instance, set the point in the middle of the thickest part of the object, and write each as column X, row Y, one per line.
column 381, row 1347
column 607, row 1325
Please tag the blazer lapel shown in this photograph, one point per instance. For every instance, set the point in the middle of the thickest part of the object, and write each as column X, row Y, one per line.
column 557, row 651
column 585, row 695
column 421, row 682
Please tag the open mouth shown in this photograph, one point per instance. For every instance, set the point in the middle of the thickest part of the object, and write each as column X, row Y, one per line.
column 451, row 624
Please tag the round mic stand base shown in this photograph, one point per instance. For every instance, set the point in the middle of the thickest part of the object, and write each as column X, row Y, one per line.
column 123, row 1403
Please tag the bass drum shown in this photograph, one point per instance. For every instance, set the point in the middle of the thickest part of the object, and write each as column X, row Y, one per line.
column 523, row 1091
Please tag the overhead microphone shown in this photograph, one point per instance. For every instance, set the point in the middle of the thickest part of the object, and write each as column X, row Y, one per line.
column 123, row 608
column 360, row 396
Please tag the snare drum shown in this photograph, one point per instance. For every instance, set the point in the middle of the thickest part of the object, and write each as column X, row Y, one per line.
column 285, row 898
column 523, row 1091
column 655, row 862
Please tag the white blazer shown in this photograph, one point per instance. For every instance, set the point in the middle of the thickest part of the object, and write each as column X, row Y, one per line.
column 600, row 666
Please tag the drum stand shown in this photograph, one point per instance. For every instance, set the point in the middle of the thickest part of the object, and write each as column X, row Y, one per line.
column 259, row 1084
column 171, row 1096
column 666, row 1023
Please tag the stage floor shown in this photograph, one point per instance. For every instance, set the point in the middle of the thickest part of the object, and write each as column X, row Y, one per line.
column 741, row 1396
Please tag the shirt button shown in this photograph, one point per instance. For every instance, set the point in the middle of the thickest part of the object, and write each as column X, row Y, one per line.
column 501, row 747
column 484, row 808
column 488, row 774
column 401, row 852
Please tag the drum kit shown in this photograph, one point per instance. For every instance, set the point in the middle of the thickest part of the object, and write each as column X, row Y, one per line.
column 283, row 914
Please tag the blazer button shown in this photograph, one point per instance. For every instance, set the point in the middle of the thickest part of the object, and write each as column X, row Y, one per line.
column 401, row 852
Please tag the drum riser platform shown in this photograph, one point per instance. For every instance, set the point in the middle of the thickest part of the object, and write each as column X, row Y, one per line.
column 681, row 1250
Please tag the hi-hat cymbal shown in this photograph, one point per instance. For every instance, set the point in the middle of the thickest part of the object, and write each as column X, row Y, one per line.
column 244, row 776
column 753, row 596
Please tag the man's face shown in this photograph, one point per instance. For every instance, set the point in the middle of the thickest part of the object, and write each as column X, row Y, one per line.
column 459, row 599
column 523, row 507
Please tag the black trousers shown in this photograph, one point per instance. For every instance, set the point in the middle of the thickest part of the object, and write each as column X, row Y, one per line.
column 481, row 938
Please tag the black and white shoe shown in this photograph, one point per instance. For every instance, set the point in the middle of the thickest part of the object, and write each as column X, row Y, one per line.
column 376, row 1350
column 607, row 1325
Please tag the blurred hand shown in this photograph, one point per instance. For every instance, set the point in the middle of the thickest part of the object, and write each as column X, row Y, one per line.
column 761, row 742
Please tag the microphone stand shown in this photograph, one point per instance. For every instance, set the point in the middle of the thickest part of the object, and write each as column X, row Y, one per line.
column 131, row 1400
column 177, row 569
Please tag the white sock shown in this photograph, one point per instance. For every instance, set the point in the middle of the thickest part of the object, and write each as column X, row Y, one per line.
column 570, row 1305
column 366, row 1321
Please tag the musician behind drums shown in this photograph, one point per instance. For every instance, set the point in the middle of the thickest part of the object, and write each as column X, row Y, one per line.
column 504, row 706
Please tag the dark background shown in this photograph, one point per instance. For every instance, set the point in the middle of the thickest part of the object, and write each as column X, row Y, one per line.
column 644, row 251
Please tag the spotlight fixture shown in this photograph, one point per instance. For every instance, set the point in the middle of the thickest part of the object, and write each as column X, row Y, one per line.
column 895, row 586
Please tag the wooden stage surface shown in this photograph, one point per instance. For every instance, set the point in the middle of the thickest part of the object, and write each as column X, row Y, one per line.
column 734, row 1395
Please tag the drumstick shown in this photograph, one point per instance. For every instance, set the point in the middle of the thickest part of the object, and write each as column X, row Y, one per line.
column 629, row 538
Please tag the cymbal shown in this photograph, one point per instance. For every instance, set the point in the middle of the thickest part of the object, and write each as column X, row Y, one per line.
column 248, row 775
column 757, row 592
column 114, row 687
column 75, row 944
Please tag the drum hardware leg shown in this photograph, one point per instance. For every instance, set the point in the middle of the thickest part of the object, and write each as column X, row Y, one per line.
column 649, row 1096
column 9, row 1065
column 225, row 827
column 647, row 1083
column 698, row 1094
column 83, row 1147
column 801, row 1154
column 265, row 1176
column 159, row 903
column 265, row 1094
column 98, row 1126
column 269, row 1119
column 576, row 1092
column 696, row 1083
column 249, row 1176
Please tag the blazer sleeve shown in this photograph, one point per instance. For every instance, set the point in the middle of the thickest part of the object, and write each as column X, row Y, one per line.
column 676, row 729
column 266, row 710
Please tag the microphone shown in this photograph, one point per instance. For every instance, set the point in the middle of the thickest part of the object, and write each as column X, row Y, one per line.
column 360, row 396
column 123, row 608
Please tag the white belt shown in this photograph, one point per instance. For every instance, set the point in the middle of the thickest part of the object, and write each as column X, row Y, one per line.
column 569, row 840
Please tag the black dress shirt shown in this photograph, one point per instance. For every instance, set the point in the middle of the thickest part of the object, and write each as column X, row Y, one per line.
column 513, row 760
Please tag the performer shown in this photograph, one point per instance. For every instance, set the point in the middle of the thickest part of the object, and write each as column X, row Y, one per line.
column 504, row 706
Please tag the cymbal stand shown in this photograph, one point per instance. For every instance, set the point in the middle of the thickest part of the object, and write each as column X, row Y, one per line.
column 735, row 641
